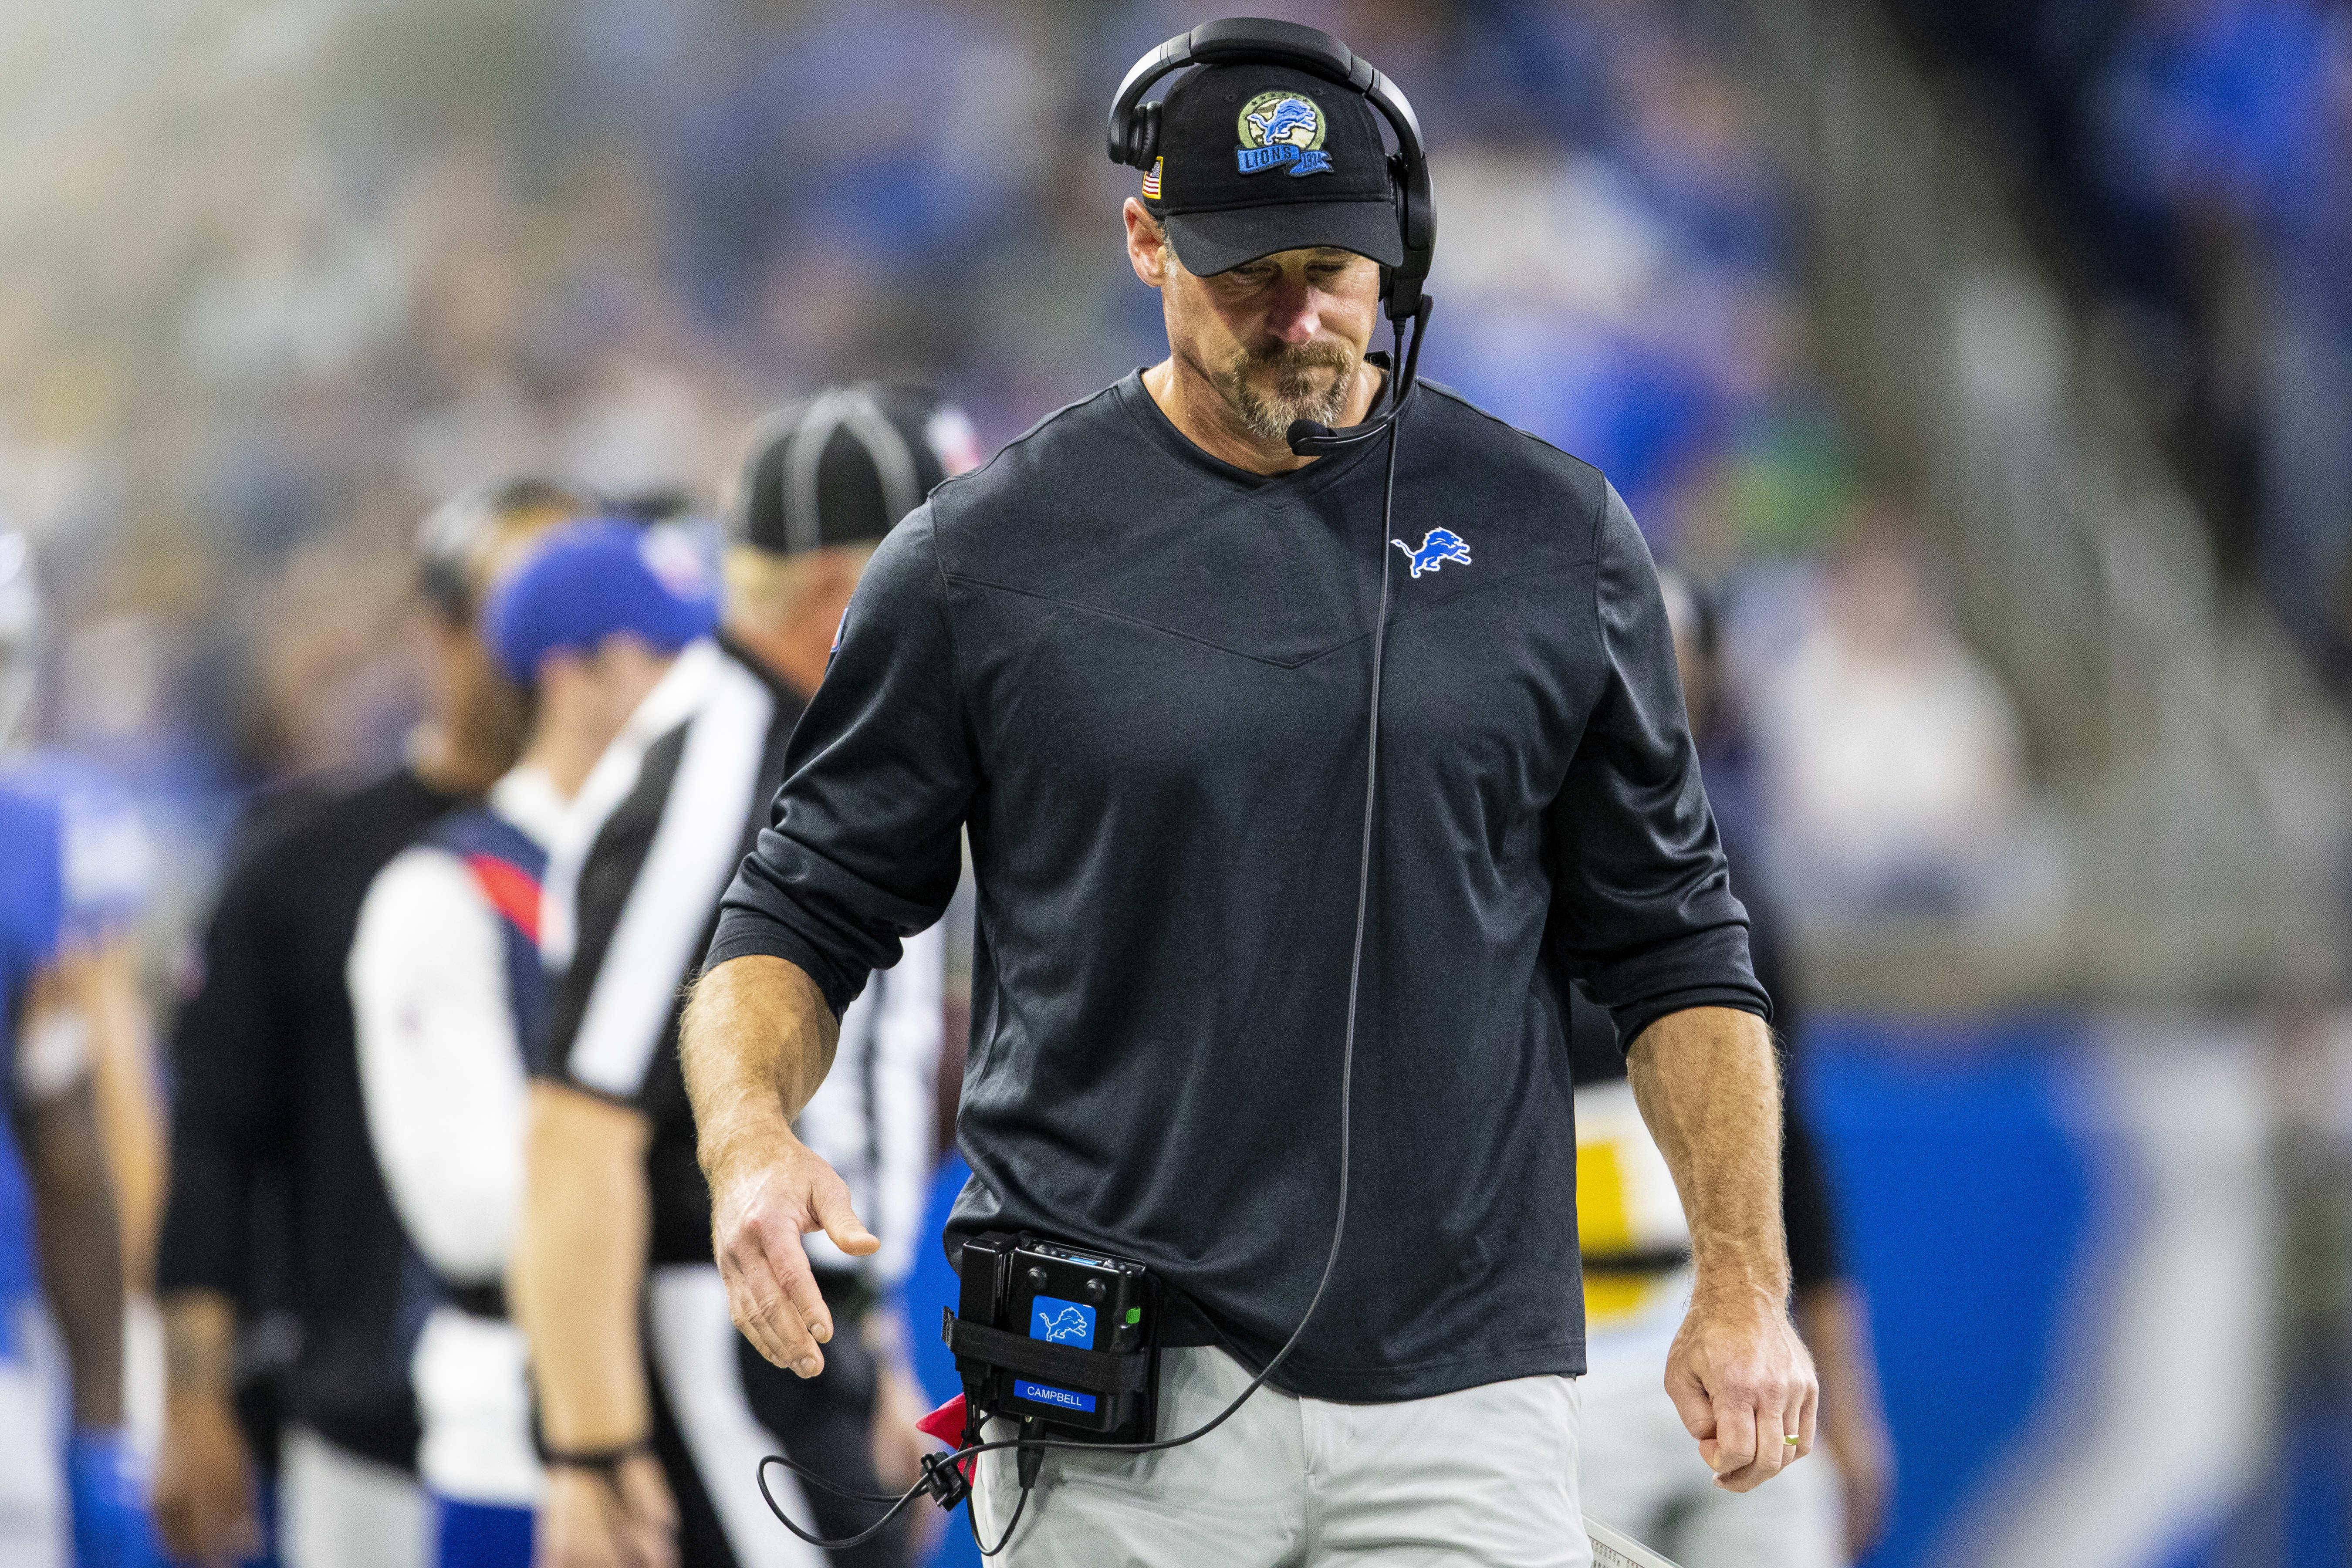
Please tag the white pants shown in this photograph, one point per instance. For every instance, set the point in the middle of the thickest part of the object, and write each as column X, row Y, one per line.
column 1642, row 1474
column 336, row 1510
column 1486, row 1477
column 35, row 1528
column 473, row 1397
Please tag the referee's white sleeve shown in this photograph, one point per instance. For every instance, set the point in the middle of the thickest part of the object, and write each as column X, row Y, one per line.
column 440, row 1070
column 908, row 1037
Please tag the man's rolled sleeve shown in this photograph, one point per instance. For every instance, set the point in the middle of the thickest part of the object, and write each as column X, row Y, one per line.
column 1643, row 911
column 862, row 846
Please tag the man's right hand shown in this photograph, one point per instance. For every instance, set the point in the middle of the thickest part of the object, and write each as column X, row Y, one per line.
column 769, row 1189
column 622, row 1519
column 204, row 1484
column 755, row 1043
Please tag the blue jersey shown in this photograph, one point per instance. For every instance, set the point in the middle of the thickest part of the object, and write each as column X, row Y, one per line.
column 105, row 861
column 32, row 917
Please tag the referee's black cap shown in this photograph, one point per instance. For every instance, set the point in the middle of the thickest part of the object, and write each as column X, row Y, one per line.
column 1259, row 158
column 845, row 465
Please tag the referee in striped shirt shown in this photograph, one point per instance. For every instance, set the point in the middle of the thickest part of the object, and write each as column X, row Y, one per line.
column 653, row 1412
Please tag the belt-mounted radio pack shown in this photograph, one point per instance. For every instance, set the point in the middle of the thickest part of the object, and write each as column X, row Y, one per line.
column 1067, row 1339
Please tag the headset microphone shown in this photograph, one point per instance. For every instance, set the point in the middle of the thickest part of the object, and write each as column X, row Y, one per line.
column 1309, row 439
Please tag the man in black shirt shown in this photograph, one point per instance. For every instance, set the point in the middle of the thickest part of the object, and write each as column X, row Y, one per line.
column 268, row 1097
column 1131, row 656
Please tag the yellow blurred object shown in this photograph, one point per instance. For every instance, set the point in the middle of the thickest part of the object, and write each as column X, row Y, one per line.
column 1625, row 1206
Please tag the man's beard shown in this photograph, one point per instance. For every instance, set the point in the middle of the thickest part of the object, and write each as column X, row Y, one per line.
column 1311, row 381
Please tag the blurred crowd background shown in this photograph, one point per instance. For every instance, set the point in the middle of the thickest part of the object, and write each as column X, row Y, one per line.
column 1991, row 362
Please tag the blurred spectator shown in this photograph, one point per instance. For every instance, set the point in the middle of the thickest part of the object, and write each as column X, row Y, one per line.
column 1890, row 757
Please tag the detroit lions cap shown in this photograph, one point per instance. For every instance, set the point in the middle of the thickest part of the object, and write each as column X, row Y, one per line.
column 1254, row 159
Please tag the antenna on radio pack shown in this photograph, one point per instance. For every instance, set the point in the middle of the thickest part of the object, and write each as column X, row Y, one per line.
column 1614, row 1549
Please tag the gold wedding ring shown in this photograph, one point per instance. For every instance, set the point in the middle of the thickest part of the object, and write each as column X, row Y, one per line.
column 1790, row 1441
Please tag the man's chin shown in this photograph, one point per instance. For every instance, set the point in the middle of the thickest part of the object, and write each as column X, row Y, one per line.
column 1322, row 400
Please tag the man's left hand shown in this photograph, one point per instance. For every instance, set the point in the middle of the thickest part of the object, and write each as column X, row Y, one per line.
column 1743, row 1383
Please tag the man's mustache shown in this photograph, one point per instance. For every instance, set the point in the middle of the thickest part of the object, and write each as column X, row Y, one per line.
column 1299, row 356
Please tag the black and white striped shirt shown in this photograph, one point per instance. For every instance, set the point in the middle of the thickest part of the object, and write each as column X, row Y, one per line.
column 630, row 903
column 671, row 808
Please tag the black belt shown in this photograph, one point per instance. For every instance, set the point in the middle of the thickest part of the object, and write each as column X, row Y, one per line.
column 488, row 1300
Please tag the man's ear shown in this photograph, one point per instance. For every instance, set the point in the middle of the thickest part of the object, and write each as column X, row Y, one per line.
column 1146, row 247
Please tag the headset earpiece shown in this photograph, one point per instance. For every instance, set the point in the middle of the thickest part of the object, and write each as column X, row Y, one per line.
column 1143, row 133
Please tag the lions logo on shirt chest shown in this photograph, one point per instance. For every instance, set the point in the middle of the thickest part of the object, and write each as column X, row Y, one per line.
column 1438, row 546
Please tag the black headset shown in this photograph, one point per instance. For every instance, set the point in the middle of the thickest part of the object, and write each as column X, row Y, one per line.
column 1134, row 139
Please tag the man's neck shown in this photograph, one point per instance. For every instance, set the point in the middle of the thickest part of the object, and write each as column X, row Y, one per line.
column 797, row 657
column 567, row 760
column 1194, row 406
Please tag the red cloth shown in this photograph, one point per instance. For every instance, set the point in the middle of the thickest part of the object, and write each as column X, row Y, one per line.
column 946, row 1424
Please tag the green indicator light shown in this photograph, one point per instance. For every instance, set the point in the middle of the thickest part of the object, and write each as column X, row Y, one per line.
column 1134, row 1316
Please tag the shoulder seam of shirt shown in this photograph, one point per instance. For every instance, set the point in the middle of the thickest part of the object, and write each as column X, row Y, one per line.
column 1600, row 570
column 1447, row 393
column 1026, row 436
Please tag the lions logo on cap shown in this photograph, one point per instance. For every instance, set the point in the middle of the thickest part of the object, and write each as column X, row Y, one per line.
column 1283, row 130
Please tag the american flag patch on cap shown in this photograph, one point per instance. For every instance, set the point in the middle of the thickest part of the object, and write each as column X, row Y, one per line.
column 1151, row 180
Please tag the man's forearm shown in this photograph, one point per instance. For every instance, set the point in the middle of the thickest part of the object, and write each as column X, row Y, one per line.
column 757, row 1040
column 129, row 1101
column 1709, row 1086
column 579, row 1268
column 81, row 1260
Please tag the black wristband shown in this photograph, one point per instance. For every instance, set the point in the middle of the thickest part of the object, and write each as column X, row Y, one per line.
column 605, row 1462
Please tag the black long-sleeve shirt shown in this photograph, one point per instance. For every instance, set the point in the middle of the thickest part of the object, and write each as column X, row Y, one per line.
column 1139, row 675
column 265, row 1100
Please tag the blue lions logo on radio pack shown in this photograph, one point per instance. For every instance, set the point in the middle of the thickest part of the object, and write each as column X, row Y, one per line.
column 1282, row 130
column 1063, row 1323
column 1440, row 545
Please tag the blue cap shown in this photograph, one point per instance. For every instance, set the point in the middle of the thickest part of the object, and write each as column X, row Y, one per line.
column 586, row 582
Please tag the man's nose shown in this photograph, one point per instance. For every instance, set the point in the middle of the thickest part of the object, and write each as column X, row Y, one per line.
column 1296, row 313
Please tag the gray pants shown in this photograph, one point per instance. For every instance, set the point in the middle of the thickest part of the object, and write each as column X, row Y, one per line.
column 1483, row 1477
